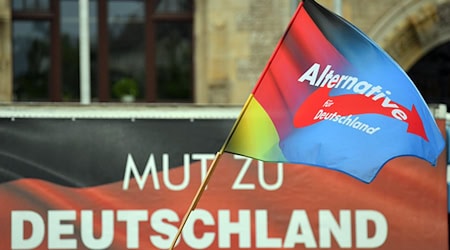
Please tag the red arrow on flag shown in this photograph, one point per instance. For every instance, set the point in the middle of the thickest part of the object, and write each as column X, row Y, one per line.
column 320, row 105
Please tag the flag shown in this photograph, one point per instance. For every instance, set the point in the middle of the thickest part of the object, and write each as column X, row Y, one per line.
column 331, row 97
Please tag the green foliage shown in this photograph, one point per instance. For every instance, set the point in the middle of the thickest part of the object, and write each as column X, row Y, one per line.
column 125, row 86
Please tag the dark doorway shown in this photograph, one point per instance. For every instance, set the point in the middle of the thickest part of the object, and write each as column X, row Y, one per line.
column 431, row 74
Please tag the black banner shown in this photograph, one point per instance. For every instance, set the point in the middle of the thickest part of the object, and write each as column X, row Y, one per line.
column 77, row 152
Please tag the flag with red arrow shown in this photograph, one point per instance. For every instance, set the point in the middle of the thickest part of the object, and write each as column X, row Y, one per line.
column 331, row 97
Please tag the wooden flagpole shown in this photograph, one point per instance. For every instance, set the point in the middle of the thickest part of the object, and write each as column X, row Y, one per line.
column 219, row 154
column 197, row 196
column 213, row 165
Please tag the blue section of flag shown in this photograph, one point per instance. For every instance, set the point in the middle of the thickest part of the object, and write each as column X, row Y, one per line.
column 347, row 147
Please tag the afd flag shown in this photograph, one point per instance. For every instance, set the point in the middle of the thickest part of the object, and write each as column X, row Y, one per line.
column 331, row 97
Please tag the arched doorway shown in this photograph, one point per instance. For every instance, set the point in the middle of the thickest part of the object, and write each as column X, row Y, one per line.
column 416, row 34
column 431, row 75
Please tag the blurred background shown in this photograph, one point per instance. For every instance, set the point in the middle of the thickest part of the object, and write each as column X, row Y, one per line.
column 207, row 52
column 191, row 51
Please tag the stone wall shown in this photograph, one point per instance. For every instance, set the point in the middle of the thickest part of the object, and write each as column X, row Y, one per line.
column 5, row 52
column 408, row 30
column 235, row 38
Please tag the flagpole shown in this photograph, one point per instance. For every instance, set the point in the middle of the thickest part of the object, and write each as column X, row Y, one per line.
column 197, row 196
column 214, row 163
column 211, row 169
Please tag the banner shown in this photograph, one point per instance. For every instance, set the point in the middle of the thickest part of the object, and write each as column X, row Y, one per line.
column 126, row 184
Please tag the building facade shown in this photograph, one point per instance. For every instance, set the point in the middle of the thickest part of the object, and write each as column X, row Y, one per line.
column 194, row 51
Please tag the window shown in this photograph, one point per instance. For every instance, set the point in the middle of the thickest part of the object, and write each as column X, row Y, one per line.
column 172, row 22
column 127, row 45
column 31, row 5
column 32, row 50
column 31, row 60
column 69, row 39
column 147, row 42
